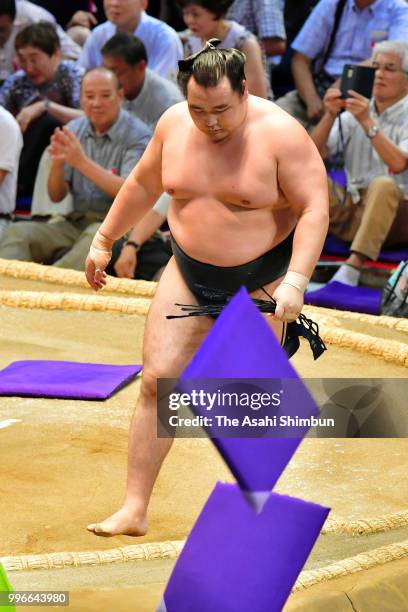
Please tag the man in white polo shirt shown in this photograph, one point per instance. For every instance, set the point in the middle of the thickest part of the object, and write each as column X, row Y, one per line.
column 162, row 43
column 11, row 143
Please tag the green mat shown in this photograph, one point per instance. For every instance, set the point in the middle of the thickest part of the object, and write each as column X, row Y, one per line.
column 5, row 586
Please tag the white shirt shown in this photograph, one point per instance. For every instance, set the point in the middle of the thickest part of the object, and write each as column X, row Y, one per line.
column 28, row 13
column 11, row 143
column 362, row 161
column 162, row 44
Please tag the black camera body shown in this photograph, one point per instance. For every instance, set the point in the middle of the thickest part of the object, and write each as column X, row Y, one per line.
column 359, row 78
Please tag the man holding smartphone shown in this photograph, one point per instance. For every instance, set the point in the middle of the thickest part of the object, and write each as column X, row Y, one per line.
column 373, row 136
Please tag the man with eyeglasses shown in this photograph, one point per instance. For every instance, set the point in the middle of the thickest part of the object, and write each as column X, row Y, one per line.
column 337, row 32
column 374, row 210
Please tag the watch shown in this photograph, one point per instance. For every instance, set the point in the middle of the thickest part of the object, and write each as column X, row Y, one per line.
column 134, row 244
column 372, row 131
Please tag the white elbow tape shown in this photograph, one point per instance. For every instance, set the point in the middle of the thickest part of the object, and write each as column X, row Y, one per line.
column 296, row 280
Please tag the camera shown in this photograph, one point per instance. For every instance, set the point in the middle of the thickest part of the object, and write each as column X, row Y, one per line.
column 358, row 78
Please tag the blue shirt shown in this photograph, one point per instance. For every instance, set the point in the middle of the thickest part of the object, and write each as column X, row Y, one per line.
column 264, row 18
column 357, row 34
column 162, row 43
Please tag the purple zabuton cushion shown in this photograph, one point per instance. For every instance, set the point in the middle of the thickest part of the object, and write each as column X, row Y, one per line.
column 339, row 248
column 242, row 345
column 238, row 561
column 345, row 297
column 65, row 379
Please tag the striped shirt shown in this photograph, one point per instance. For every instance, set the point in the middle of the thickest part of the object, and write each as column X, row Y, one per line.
column 357, row 34
column 363, row 163
column 264, row 18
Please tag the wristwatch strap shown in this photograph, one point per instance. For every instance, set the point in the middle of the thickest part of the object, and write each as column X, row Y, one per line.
column 134, row 244
column 372, row 131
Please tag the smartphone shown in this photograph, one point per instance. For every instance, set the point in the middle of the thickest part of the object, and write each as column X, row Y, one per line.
column 358, row 78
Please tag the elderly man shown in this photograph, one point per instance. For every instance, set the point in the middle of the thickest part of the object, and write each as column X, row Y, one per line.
column 162, row 43
column 147, row 94
column 15, row 15
column 249, row 207
column 375, row 135
column 317, row 63
column 91, row 157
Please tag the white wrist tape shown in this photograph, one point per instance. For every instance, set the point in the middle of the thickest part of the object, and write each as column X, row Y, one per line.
column 101, row 250
column 296, row 280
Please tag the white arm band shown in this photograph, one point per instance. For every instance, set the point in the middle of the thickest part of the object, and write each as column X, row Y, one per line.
column 296, row 280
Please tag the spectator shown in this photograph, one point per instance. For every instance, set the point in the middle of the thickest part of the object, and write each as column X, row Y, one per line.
column 375, row 137
column 362, row 24
column 15, row 15
column 147, row 95
column 42, row 95
column 205, row 20
column 91, row 156
column 64, row 12
column 295, row 14
column 264, row 18
column 78, row 17
column 162, row 44
column 144, row 253
column 10, row 148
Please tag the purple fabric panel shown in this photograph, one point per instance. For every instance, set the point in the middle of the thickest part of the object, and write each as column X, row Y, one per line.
column 238, row 561
column 344, row 297
column 65, row 379
column 335, row 246
column 241, row 344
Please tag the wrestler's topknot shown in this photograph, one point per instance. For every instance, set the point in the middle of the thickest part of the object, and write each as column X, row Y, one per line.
column 210, row 65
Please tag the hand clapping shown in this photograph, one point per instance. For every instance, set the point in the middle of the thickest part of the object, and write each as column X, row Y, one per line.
column 66, row 148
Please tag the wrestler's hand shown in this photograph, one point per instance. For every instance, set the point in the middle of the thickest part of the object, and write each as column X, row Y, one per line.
column 289, row 303
column 100, row 254
column 96, row 277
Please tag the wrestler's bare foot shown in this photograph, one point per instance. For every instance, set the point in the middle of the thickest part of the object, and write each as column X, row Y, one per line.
column 123, row 522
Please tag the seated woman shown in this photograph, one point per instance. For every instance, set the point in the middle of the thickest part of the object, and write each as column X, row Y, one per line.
column 42, row 95
column 205, row 20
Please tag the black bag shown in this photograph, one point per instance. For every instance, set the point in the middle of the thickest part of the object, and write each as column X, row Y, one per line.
column 322, row 82
column 321, row 78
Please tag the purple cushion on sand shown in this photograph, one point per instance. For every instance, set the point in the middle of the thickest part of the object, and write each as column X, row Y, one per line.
column 242, row 345
column 65, row 379
column 237, row 561
column 345, row 297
